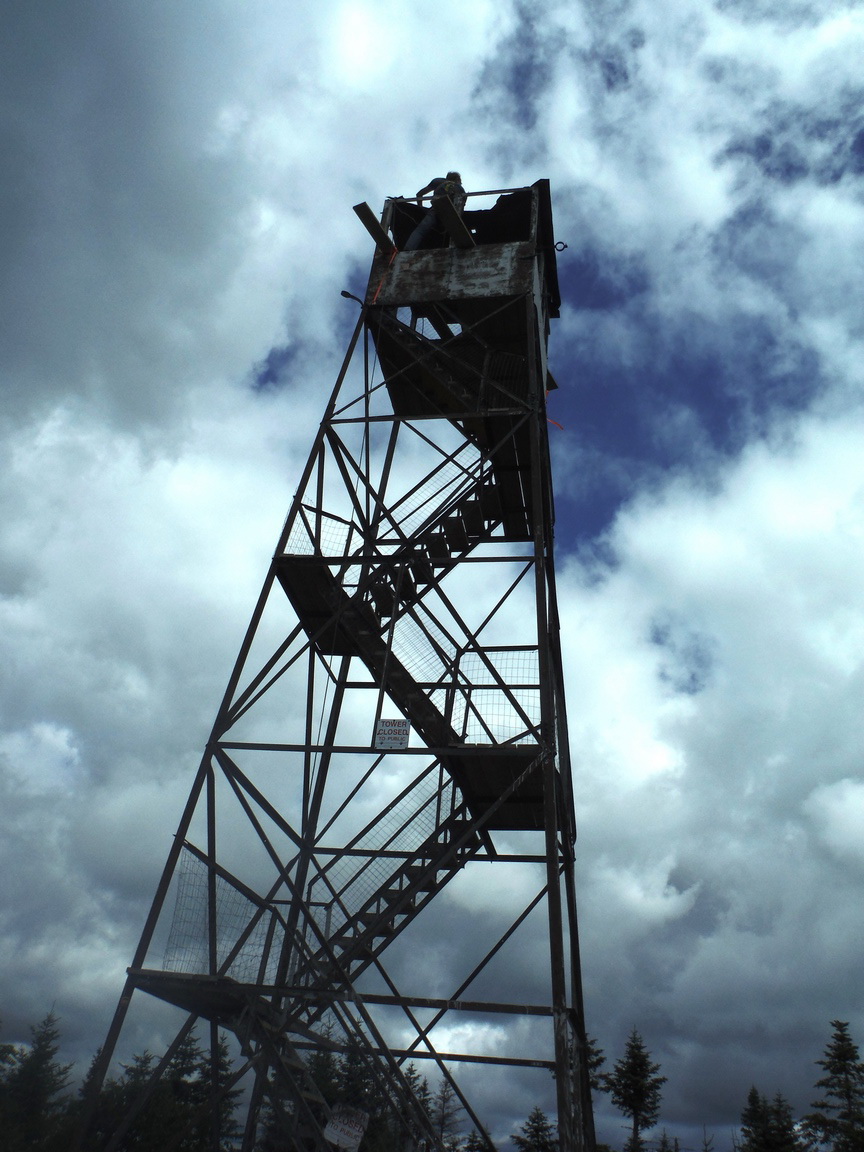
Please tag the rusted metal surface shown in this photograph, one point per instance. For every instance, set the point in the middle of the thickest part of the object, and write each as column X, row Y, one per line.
column 489, row 270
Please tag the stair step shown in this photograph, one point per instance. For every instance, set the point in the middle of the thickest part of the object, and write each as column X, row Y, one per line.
column 373, row 917
column 472, row 515
column 490, row 502
column 421, row 568
column 407, row 586
column 429, row 884
column 436, row 545
column 391, row 895
column 456, row 533
column 458, row 829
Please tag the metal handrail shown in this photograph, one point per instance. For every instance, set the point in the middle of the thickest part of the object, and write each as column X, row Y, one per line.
column 486, row 192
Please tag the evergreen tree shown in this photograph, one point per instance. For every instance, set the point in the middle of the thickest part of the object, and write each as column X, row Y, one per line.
column 108, row 1108
column 634, row 1085
column 33, row 1108
column 179, row 1106
column 538, row 1133
column 357, row 1086
column 475, row 1142
column 445, row 1111
column 767, row 1125
column 664, row 1144
column 155, row 1122
column 354, row 1081
column 324, row 1069
column 755, row 1123
column 784, row 1132
column 229, row 1098
column 595, row 1059
column 838, row 1121
column 189, row 1091
column 419, row 1088
column 7, row 1058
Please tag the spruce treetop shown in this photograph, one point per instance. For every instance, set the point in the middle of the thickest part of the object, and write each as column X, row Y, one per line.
column 767, row 1125
column 538, row 1133
column 634, row 1085
column 838, row 1119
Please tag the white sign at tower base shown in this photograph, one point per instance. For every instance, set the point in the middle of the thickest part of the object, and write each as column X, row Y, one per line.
column 392, row 733
column 346, row 1126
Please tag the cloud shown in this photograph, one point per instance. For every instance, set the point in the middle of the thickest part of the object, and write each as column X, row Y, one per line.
column 837, row 810
column 717, row 676
column 176, row 229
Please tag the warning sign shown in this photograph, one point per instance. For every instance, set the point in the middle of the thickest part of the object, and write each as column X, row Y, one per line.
column 346, row 1126
column 392, row 733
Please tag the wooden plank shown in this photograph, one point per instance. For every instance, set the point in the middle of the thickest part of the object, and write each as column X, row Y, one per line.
column 453, row 222
column 373, row 226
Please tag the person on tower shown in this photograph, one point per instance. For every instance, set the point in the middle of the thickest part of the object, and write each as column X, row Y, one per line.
column 450, row 186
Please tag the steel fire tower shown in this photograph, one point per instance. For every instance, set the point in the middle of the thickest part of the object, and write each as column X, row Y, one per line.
column 377, row 854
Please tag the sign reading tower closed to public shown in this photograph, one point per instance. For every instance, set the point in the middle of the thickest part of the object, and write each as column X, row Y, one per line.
column 392, row 733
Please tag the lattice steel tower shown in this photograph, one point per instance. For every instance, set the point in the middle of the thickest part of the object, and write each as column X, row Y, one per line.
column 385, row 799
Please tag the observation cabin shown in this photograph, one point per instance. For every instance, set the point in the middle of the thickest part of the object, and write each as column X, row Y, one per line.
column 468, row 281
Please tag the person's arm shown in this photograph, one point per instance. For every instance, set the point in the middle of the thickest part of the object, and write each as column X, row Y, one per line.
column 429, row 188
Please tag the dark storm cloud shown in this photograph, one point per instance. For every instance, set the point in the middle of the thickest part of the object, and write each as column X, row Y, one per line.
column 112, row 200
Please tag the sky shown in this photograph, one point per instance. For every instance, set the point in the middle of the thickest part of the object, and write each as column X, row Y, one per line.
column 176, row 227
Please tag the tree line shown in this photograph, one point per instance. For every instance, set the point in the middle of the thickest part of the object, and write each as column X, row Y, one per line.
column 836, row 1123
column 38, row 1112
column 634, row 1085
